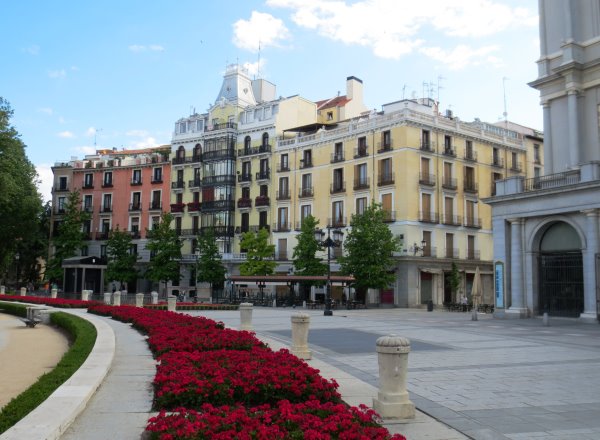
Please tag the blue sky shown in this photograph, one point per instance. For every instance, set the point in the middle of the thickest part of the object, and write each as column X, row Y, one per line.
column 122, row 72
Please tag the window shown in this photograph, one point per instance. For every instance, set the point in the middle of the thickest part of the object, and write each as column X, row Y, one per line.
column 427, row 239
column 265, row 139
column 449, row 210
column 178, row 225
column 246, row 171
column 306, row 159
column 470, row 212
column 537, row 171
column 105, row 226
column 338, row 152
column 133, row 249
column 471, row 247
column 103, row 249
column 135, row 224
column 305, row 211
column 154, row 221
column 197, row 153
column 448, row 144
column 386, row 207
column 156, row 200
column 338, row 180
column 136, row 200
column 362, row 146
column 157, row 175
column 361, row 205
column 136, row 178
column 426, row 207
column 245, row 227
column 245, row 192
column 84, row 251
column 263, row 191
column 284, row 162
column 426, row 140
column 469, row 150
column 247, row 143
column 470, row 179
column 337, row 214
column 62, row 183
column 182, row 127
column 385, row 172
column 108, row 178
column 536, row 153
column 179, row 178
column 107, row 203
column 360, row 176
column 87, row 203
column 200, row 125
column 282, row 222
column 61, row 205
column 263, row 219
column 450, row 246
column 306, row 185
column 179, row 199
column 425, row 176
column 284, row 191
column 88, row 180
column 386, row 139
column 330, row 116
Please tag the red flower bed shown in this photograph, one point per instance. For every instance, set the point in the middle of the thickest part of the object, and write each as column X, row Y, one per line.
column 311, row 420
column 54, row 302
column 226, row 377
column 192, row 306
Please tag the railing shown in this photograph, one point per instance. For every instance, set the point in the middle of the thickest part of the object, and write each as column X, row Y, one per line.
column 218, row 205
column 197, row 158
column 283, row 195
column 254, row 150
column 449, row 183
column 471, row 222
column 244, row 203
column 382, row 147
column 106, row 208
column 107, row 184
column 196, row 183
column 88, row 185
column 389, row 216
column 452, row 220
column 364, row 183
column 155, row 205
column 337, row 222
column 361, row 152
column 135, row 234
column 251, row 228
column 60, row 189
column 429, row 251
column 306, row 192
column 218, row 231
column 470, row 186
column 449, row 151
column 451, row 253
column 281, row 256
column 473, row 254
column 281, row 227
column 429, row 217
column 339, row 157
column 102, row 235
column 386, row 179
column 263, row 175
column 59, row 211
column 338, row 187
column 224, row 154
column 427, row 179
column 262, row 201
column 537, row 160
column 244, row 177
column 471, row 156
column 177, row 207
column 282, row 168
column 225, row 179
column 188, row 232
column 305, row 163
column 222, row 126
column 194, row 206
column 498, row 162
column 516, row 166
column 552, row 181
column 180, row 184
column 180, row 160
column 135, row 206
column 136, row 182
column 426, row 146
column 156, row 180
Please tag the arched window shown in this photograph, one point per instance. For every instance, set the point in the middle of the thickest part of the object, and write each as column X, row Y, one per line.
column 180, row 152
column 197, row 151
column 247, row 143
column 265, row 139
column 560, row 237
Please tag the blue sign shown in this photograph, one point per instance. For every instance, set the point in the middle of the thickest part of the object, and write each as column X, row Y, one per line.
column 499, row 283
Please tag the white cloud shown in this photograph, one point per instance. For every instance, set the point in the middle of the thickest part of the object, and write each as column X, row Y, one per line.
column 91, row 131
column 462, row 56
column 60, row 74
column 144, row 48
column 145, row 143
column 261, row 28
column 138, row 133
column 46, row 110
column 66, row 134
column 45, row 179
column 34, row 49
column 61, row 120
column 394, row 28
column 255, row 68
column 84, row 149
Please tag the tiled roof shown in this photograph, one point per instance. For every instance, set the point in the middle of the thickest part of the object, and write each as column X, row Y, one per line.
column 338, row 101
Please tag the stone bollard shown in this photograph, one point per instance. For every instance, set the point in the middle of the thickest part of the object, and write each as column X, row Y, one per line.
column 23, row 291
column 154, row 296
column 139, row 300
column 85, row 295
column 545, row 321
column 392, row 398
column 304, row 304
column 2, row 290
column 246, row 316
column 474, row 314
column 172, row 303
column 107, row 298
column 53, row 293
column 116, row 298
column 274, row 303
column 300, row 325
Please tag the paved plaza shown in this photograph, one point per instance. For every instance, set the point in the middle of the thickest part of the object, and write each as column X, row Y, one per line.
column 489, row 379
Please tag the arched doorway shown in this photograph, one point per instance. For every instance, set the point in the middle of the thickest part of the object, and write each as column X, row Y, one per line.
column 561, row 271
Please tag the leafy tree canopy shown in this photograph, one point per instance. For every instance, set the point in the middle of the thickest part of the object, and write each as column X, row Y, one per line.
column 259, row 254
column 121, row 260
column 368, row 250
column 305, row 259
column 209, row 267
column 165, row 249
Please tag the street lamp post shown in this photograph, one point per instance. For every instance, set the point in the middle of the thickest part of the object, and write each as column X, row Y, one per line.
column 329, row 243
column 17, row 258
column 421, row 248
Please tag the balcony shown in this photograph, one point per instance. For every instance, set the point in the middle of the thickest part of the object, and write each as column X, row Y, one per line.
column 154, row 206
column 103, row 235
column 188, row 232
column 135, row 206
column 136, row 182
column 246, row 177
column 451, row 253
column 283, row 167
column 263, row 175
column 262, row 201
column 106, row 208
column 283, row 195
column 389, row 216
column 254, row 228
column 194, row 183
column 552, row 180
column 471, row 156
column 224, row 154
column 107, row 184
column 449, row 151
column 451, row 220
column 135, row 234
column 88, row 208
column 177, row 207
column 59, row 211
column 339, row 157
column 429, row 251
column 470, row 187
column 180, row 160
column 222, row 126
column 281, row 255
column 218, row 231
column 537, row 160
column 426, row 146
column 498, row 162
column 254, row 150
column 305, row 163
column 362, row 183
column 473, row 254
column 306, row 192
column 429, row 217
column 382, row 147
column 194, row 206
column 386, row 179
column 224, row 179
column 180, row 184
column 449, row 183
column 471, row 222
column 60, row 189
column 516, row 166
column 427, row 179
column 362, row 151
column 337, row 222
column 337, row 187
column 244, row 202
column 281, row 227
column 88, row 185
column 218, row 205
column 156, row 179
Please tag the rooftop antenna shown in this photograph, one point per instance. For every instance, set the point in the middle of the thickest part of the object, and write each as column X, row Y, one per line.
column 505, row 114
column 403, row 91
column 258, row 62
column 96, row 130
column 439, row 86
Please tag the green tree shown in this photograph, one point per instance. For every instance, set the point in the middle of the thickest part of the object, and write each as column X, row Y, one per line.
column 69, row 237
column 121, row 261
column 165, row 251
column 454, row 279
column 369, row 248
column 305, row 260
column 209, row 267
column 20, row 202
column 259, row 254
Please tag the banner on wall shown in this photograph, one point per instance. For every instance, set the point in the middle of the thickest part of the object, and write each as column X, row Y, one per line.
column 499, row 283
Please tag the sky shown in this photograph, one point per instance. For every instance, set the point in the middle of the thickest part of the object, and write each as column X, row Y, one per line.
column 81, row 76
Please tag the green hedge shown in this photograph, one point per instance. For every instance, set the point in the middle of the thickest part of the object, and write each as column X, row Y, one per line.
column 83, row 337
column 13, row 309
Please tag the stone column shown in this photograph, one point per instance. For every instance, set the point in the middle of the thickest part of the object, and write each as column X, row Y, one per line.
column 85, row 295
column 2, row 290
column 300, row 326
column 23, row 291
column 573, row 112
column 589, row 266
column 116, row 298
column 139, row 300
column 154, row 296
column 548, row 153
column 172, row 303
column 517, row 308
column 246, row 316
column 392, row 398
column 53, row 293
column 107, row 296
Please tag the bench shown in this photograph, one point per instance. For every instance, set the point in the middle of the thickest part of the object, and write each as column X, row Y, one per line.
column 31, row 322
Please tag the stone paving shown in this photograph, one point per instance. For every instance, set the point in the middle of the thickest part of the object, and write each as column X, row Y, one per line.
column 489, row 379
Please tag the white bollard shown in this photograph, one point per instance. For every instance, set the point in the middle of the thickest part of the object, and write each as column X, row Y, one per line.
column 154, row 296
column 274, row 303
column 392, row 398
column 116, row 298
column 107, row 296
column 172, row 303
column 246, row 316
column 474, row 314
column 53, row 293
column 23, row 291
column 304, row 304
column 300, row 325
column 2, row 290
column 545, row 321
column 85, row 295
column 139, row 300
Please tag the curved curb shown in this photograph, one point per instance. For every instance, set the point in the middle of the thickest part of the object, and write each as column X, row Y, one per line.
column 52, row 418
